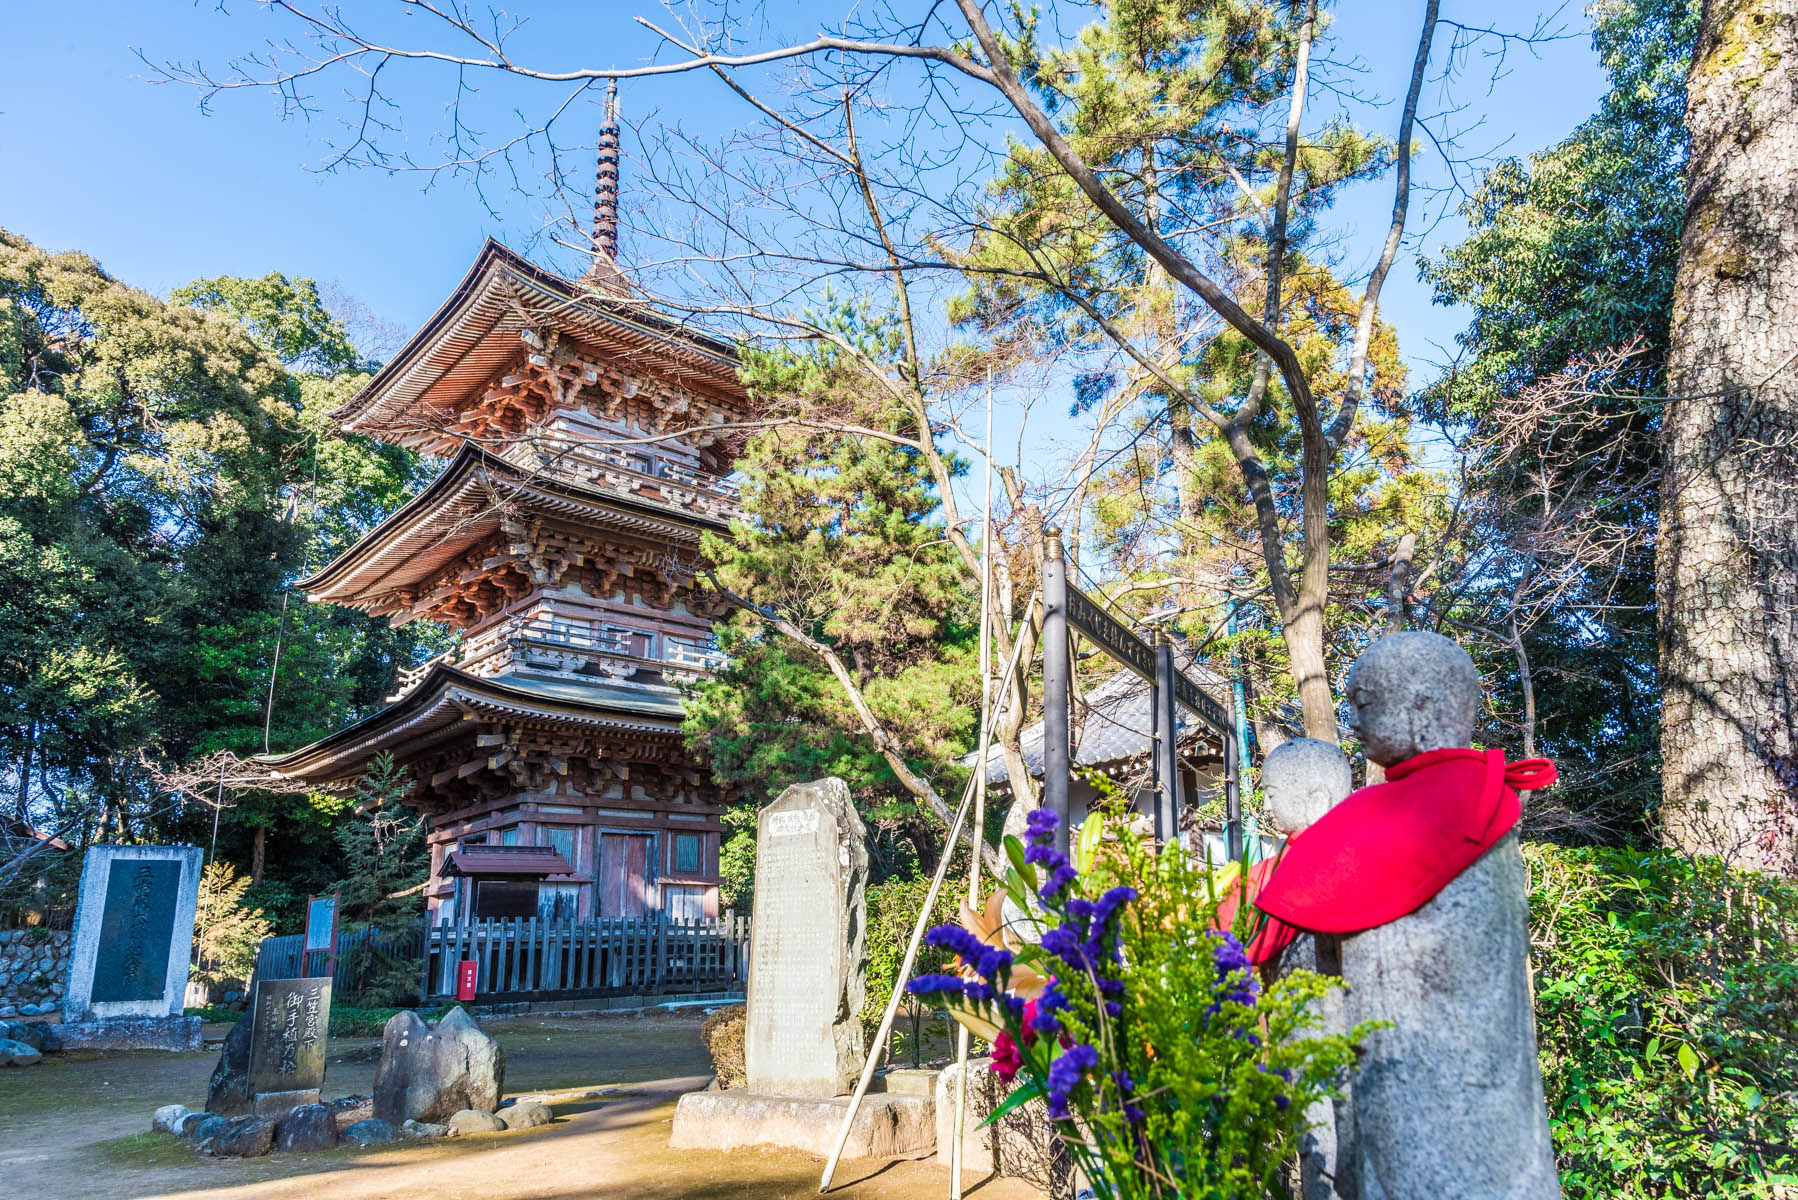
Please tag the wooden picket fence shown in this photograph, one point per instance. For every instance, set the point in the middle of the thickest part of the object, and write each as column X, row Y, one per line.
column 534, row 958
column 281, row 957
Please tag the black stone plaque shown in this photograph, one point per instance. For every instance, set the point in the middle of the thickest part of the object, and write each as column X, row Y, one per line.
column 136, row 929
column 287, row 1041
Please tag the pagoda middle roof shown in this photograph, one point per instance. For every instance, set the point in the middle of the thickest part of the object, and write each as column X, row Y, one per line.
column 447, row 697
column 477, row 331
column 466, row 504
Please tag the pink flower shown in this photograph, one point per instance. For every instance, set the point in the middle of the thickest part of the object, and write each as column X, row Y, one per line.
column 1006, row 1059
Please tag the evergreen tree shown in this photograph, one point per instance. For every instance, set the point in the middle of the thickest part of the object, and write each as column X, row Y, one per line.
column 382, row 852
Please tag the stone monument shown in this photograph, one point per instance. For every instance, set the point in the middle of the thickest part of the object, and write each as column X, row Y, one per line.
column 289, row 1019
column 1448, row 1100
column 134, row 928
column 803, row 1039
column 1303, row 779
column 807, row 959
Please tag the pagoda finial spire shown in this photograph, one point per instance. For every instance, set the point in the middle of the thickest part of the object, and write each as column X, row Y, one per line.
column 605, row 189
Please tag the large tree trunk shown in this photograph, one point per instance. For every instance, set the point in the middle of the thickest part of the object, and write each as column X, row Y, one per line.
column 1728, row 552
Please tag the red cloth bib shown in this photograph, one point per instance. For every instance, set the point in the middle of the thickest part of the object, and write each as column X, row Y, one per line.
column 1387, row 850
column 1274, row 935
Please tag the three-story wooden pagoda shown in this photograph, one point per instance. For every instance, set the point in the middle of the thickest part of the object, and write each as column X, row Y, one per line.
column 588, row 443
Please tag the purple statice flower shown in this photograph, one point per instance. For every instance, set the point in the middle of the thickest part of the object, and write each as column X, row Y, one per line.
column 1040, row 825
column 986, row 960
column 1282, row 1101
column 1126, row 1085
column 1051, row 1001
column 1065, row 945
column 1234, row 972
column 1066, row 1074
column 929, row 985
column 1060, row 876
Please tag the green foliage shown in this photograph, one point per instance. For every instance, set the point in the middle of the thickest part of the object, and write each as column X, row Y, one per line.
column 1667, row 1015
column 227, row 930
column 1570, row 253
column 736, row 859
column 385, row 861
column 842, row 539
column 286, row 316
column 167, row 470
column 893, row 910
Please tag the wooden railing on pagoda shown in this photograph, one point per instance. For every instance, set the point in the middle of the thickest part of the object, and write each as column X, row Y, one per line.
column 620, row 470
column 542, row 959
column 568, row 646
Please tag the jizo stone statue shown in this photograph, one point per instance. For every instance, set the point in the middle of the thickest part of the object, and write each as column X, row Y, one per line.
column 1303, row 779
column 1447, row 1102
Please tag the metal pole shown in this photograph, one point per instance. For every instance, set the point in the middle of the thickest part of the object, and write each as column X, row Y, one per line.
column 1167, row 743
column 1057, row 673
column 1239, row 711
column 1232, row 801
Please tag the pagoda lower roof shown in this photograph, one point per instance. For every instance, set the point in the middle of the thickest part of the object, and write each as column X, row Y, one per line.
column 439, row 707
column 452, row 359
column 465, row 505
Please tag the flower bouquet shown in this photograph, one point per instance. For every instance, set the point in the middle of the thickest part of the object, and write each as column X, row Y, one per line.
column 1167, row 1067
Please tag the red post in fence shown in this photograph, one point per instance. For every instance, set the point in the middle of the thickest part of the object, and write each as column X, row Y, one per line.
column 466, row 973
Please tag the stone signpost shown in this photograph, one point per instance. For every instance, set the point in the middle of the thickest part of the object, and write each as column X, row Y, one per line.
column 808, row 961
column 289, row 1019
column 134, row 926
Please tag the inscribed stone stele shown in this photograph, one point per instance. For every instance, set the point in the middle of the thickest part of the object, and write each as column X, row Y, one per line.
column 808, row 959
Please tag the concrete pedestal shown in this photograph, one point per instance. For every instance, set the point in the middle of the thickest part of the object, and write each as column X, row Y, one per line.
column 886, row 1125
column 131, row 1033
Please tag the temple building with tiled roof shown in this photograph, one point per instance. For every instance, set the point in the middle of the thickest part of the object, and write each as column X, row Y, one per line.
column 589, row 442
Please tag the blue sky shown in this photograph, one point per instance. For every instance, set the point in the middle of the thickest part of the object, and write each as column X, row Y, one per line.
column 100, row 159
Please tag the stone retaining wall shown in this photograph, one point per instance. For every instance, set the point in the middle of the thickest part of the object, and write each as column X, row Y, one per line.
column 34, row 966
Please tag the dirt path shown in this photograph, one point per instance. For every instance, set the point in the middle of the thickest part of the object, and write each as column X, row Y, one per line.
column 75, row 1126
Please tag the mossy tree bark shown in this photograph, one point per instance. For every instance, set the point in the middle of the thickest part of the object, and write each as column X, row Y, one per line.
column 1728, row 551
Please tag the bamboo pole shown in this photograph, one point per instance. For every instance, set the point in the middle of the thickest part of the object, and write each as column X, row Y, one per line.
column 986, row 718
column 917, row 936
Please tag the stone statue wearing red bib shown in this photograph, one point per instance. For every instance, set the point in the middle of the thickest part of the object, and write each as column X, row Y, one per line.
column 1423, row 878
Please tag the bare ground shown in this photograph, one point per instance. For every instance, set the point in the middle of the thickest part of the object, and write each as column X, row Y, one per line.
column 76, row 1125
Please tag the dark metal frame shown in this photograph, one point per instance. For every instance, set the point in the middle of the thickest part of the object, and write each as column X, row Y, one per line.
column 1067, row 610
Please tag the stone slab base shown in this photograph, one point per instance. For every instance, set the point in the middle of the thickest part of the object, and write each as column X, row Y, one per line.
column 131, row 1033
column 886, row 1125
column 274, row 1104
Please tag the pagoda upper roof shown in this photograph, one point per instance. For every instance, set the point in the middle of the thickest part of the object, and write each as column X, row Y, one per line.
column 439, row 707
column 446, row 365
column 466, row 504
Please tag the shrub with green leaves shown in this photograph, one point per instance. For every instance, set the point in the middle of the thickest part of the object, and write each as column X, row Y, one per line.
column 1667, row 1015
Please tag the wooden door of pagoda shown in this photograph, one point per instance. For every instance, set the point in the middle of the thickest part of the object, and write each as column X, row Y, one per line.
column 625, row 887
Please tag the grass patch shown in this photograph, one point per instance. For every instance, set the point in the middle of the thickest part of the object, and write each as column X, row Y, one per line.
column 146, row 1150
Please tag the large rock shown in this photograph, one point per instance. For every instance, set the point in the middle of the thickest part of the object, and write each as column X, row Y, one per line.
column 471, row 1120
column 307, row 1127
column 526, row 1114
column 245, row 1137
column 347, row 1110
column 808, row 959
column 203, row 1131
column 426, row 1129
column 168, row 1118
column 192, row 1121
column 18, row 1054
column 371, row 1132
column 39, row 1035
column 228, row 1094
column 430, row 1074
